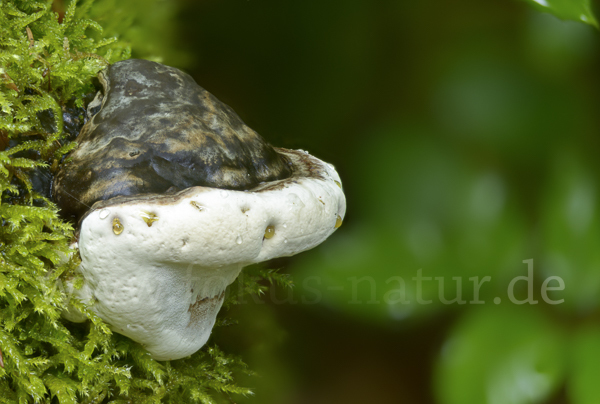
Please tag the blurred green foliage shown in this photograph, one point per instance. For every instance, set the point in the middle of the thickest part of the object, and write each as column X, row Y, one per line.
column 147, row 27
column 584, row 348
column 466, row 136
column 522, row 364
column 578, row 10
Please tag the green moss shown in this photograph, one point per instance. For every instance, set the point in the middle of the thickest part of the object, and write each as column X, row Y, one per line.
column 47, row 63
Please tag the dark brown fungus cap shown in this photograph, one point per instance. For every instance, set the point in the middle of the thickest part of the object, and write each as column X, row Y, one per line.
column 153, row 128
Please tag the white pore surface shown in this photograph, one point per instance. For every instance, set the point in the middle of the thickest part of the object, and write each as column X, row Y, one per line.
column 145, row 281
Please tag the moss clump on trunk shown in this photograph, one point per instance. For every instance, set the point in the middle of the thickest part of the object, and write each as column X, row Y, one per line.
column 48, row 60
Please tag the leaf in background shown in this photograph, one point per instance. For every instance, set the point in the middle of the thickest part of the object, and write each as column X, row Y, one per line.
column 578, row 10
column 582, row 386
column 501, row 355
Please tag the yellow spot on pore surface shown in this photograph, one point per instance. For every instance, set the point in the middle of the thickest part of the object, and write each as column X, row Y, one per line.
column 338, row 221
column 269, row 231
column 117, row 226
column 149, row 218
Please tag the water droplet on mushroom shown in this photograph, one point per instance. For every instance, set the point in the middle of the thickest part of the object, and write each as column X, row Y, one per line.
column 128, row 325
column 285, row 240
column 285, row 226
column 197, row 205
column 149, row 218
column 338, row 221
column 224, row 194
column 269, row 232
column 104, row 214
column 239, row 240
column 117, row 226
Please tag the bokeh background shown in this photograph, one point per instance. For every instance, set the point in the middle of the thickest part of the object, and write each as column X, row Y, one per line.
column 466, row 134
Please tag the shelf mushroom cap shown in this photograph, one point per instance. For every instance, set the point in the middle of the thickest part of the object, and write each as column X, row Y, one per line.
column 152, row 129
column 156, row 264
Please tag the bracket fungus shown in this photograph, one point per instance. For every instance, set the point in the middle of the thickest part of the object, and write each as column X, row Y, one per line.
column 173, row 195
